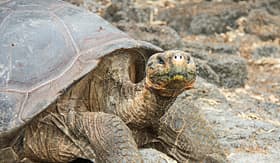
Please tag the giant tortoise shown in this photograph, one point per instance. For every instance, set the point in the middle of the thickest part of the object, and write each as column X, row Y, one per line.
column 73, row 86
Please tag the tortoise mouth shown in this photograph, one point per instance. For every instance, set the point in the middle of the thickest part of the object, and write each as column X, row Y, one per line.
column 173, row 76
column 171, row 84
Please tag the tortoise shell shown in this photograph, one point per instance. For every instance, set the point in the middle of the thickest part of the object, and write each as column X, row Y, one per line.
column 45, row 46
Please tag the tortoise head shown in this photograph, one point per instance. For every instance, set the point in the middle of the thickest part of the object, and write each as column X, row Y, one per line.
column 170, row 73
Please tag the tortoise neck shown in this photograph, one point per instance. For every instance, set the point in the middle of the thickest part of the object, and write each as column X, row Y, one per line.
column 163, row 102
column 144, row 107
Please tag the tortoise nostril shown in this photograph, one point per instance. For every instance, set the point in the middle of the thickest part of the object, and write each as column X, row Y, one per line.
column 178, row 57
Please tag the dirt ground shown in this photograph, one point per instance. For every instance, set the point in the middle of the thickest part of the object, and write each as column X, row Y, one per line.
column 236, row 46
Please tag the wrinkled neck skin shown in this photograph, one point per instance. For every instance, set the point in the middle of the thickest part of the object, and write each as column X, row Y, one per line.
column 144, row 107
column 111, row 90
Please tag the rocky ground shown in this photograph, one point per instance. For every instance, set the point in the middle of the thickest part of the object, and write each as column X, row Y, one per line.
column 236, row 45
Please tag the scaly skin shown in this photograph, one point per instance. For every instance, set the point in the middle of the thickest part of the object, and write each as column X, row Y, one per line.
column 90, row 135
column 185, row 135
column 74, row 127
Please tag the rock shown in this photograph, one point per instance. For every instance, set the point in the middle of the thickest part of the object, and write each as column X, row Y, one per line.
column 243, row 127
column 271, row 109
column 151, row 155
column 262, row 24
column 219, row 23
column 231, row 69
column 219, row 63
column 206, row 72
column 132, row 14
column 178, row 18
column 266, row 51
column 201, row 48
column 253, row 129
column 160, row 35
column 252, row 157
column 127, row 11
column 96, row 6
column 206, row 24
column 271, row 6
column 202, row 18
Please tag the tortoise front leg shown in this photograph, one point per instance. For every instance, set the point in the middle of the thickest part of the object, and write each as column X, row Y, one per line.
column 90, row 135
column 185, row 135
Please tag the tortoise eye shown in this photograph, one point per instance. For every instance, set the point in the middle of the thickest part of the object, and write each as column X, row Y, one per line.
column 160, row 61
